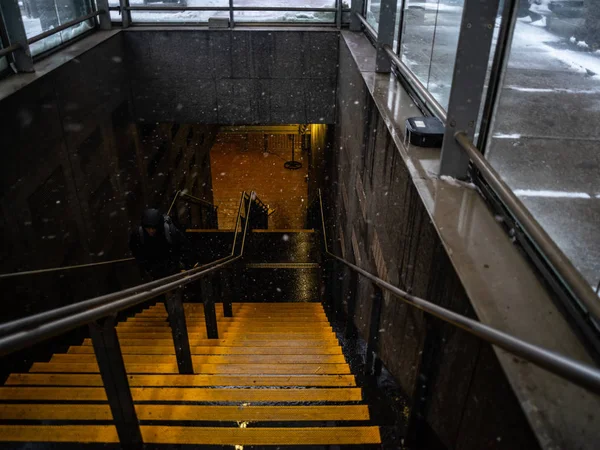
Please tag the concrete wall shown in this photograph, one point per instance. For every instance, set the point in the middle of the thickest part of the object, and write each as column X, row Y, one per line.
column 77, row 171
column 233, row 77
column 458, row 394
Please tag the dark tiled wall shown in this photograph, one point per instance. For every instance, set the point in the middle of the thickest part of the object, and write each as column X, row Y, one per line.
column 380, row 223
column 233, row 77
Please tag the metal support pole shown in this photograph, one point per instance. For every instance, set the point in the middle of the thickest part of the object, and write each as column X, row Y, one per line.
column 470, row 68
column 114, row 377
column 350, row 331
column 13, row 23
column 104, row 18
column 174, row 306
column 385, row 34
column 358, row 7
column 338, row 15
column 125, row 13
column 231, row 15
column 226, row 293
column 373, row 342
column 210, row 314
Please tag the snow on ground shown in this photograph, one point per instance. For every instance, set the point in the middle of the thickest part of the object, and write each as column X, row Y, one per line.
column 434, row 6
column 537, row 40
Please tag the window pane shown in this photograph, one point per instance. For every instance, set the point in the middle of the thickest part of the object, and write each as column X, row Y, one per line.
column 545, row 139
column 429, row 42
column 287, row 3
column 40, row 16
column 285, row 16
column 372, row 15
column 176, row 16
column 3, row 64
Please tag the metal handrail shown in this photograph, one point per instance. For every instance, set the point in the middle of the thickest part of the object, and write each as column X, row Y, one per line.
column 22, row 333
column 63, row 268
column 96, row 264
column 578, row 373
column 35, row 320
column 367, row 25
column 192, row 198
column 558, row 260
column 7, row 50
column 226, row 8
column 437, row 109
column 64, row 26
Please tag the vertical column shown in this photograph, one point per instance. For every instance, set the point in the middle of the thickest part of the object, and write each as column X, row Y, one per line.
column 338, row 14
column 125, row 13
column 13, row 22
column 210, row 315
column 373, row 342
column 231, row 15
column 114, row 377
column 358, row 7
column 176, row 312
column 226, row 292
column 385, row 35
column 472, row 58
column 104, row 18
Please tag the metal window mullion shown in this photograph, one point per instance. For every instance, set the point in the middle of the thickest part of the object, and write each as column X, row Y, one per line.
column 338, row 14
column 385, row 34
column 125, row 13
column 470, row 69
column 357, row 7
column 15, row 30
column 231, row 14
column 104, row 19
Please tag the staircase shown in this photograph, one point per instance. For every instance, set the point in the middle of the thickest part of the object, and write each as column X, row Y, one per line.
column 277, row 376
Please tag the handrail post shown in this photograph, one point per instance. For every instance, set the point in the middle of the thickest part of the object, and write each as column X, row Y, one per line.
column 373, row 340
column 125, row 13
column 11, row 13
column 176, row 312
column 114, row 377
column 210, row 314
column 226, row 293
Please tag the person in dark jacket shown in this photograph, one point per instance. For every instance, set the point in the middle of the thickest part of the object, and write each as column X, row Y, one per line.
column 159, row 247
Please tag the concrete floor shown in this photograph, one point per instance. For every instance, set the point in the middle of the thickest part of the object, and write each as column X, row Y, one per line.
column 544, row 140
column 238, row 163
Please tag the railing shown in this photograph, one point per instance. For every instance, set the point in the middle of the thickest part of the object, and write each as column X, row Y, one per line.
column 100, row 314
column 578, row 373
column 207, row 211
column 125, row 10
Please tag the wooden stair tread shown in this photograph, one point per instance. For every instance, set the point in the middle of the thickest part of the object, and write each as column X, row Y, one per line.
column 208, row 359
column 177, row 380
column 186, row 412
column 154, row 394
column 216, row 350
column 201, row 368
column 232, row 342
column 192, row 435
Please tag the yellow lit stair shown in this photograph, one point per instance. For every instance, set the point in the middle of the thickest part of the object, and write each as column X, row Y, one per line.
column 275, row 363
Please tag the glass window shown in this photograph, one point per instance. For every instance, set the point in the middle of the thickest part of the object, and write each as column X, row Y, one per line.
column 115, row 16
column 545, row 138
column 40, row 16
column 372, row 13
column 3, row 63
column 190, row 17
column 285, row 16
column 429, row 41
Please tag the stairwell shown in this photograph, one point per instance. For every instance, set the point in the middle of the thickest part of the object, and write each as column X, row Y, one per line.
column 277, row 376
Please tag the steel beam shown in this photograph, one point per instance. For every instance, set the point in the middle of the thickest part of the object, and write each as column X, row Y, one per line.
column 17, row 36
column 114, row 377
column 358, row 7
column 385, row 34
column 174, row 306
column 470, row 68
